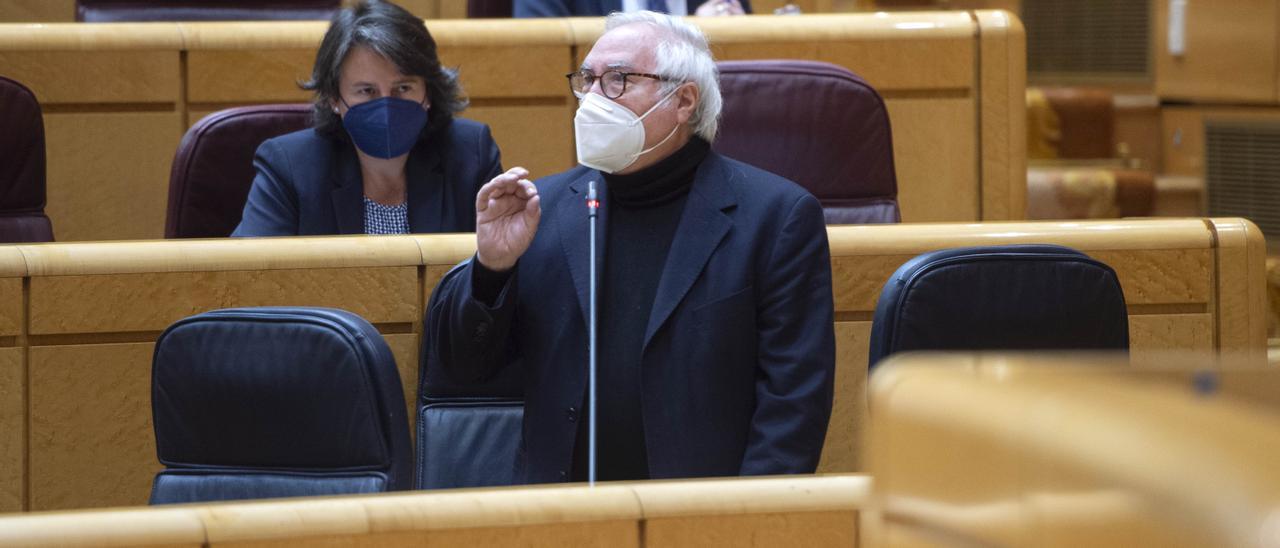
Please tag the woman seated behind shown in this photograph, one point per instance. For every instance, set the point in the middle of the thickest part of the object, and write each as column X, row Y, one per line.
column 386, row 155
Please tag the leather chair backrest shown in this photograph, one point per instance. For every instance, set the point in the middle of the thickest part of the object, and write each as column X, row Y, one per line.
column 489, row 9
column 112, row 11
column 213, row 168
column 1015, row 297
column 1086, row 121
column 22, row 166
column 469, row 442
column 469, row 434
column 276, row 402
column 817, row 124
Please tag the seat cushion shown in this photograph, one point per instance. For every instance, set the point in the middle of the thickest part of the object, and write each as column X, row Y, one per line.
column 114, row 11
column 172, row 487
column 469, row 443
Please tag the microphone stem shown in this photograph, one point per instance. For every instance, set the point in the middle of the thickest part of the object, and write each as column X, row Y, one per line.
column 592, row 206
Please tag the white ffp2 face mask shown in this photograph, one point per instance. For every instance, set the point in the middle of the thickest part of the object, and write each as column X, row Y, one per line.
column 609, row 136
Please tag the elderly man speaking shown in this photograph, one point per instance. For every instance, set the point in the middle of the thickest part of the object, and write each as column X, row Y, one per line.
column 716, row 346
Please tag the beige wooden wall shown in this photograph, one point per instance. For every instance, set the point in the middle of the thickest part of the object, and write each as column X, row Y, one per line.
column 779, row 511
column 118, row 98
column 78, row 323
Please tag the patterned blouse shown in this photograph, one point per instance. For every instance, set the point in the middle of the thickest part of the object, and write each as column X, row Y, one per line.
column 384, row 219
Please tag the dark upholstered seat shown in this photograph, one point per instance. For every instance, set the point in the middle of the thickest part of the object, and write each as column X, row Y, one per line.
column 277, row 402
column 1015, row 297
column 468, row 434
column 213, row 168
column 22, row 166
column 818, row 125
column 112, row 11
column 493, row 9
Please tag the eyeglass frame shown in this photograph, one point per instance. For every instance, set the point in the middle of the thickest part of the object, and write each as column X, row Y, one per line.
column 599, row 77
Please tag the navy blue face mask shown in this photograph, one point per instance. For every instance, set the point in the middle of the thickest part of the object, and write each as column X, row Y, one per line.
column 386, row 127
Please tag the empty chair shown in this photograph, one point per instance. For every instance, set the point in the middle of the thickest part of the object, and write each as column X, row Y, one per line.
column 213, row 168
column 468, row 434
column 489, row 8
column 276, row 402
column 1015, row 297
column 22, row 170
column 111, row 11
column 818, row 125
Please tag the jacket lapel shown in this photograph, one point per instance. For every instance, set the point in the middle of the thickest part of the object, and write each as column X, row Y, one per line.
column 575, row 233
column 348, row 192
column 425, row 192
column 702, row 226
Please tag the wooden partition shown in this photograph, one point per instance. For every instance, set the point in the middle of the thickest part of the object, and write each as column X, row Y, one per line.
column 118, row 98
column 78, row 322
column 1027, row 450
column 782, row 511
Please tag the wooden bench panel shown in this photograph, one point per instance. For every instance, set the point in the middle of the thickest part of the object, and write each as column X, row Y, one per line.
column 97, row 308
column 13, row 429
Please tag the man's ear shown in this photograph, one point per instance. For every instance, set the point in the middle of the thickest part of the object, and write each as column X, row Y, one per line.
column 687, row 96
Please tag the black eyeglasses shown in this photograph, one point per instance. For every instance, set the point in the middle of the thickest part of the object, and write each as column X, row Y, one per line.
column 613, row 83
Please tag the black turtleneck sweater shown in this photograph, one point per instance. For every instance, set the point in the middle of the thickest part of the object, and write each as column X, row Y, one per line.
column 643, row 211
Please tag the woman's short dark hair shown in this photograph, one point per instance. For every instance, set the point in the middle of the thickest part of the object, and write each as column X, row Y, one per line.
column 394, row 33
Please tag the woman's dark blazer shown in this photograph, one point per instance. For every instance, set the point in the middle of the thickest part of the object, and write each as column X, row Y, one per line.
column 309, row 184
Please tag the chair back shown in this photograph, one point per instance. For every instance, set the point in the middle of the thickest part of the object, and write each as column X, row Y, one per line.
column 213, row 168
column 22, row 167
column 817, row 124
column 1014, row 297
column 114, row 11
column 489, row 9
column 277, row 402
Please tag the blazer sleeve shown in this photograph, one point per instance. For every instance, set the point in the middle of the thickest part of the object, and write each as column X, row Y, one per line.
column 272, row 206
column 796, row 338
column 541, row 8
column 466, row 337
column 490, row 158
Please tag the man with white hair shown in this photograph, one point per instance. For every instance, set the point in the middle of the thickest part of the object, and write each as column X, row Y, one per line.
column 716, row 346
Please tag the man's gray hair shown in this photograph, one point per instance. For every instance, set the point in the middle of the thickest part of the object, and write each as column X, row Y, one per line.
column 682, row 54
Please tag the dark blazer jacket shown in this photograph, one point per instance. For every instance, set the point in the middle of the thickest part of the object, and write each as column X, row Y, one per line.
column 739, row 353
column 571, row 8
column 309, row 184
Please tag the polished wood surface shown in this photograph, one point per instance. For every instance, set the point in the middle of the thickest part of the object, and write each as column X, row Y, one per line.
column 778, row 511
column 118, row 97
column 1183, row 138
column 1084, row 450
column 89, row 313
column 1230, row 52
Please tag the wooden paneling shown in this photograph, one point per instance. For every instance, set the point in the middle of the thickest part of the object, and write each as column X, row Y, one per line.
column 945, row 187
column 1016, row 450
column 1183, row 133
column 91, row 441
column 1231, row 52
column 145, row 302
column 12, row 311
column 96, row 77
column 540, row 138
column 1242, row 307
column 840, row 452
column 13, row 430
column 32, row 11
column 246, row 77
column 108, row 173
column 1154, row 336
column 404, row 347
column 511, row 71
column 1003, row 82
column 833, row 528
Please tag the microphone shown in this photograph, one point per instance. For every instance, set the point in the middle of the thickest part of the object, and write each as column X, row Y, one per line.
column 593, row 205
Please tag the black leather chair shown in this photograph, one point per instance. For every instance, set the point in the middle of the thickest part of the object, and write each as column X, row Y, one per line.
column 1014, row 297
column 213, row 167
column 22, row 166
column 468, row 433
column 277, row 402
column 115, row 11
